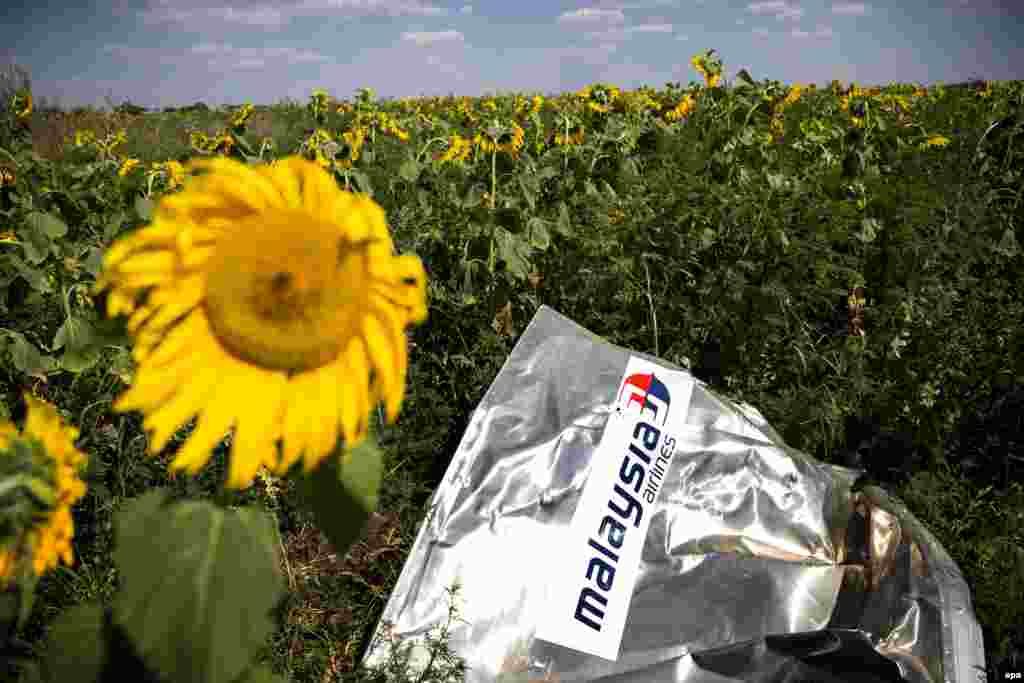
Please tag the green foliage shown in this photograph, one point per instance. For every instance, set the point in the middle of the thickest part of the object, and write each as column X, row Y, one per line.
column 207, row 612
column 343, row 496
column 78, row 649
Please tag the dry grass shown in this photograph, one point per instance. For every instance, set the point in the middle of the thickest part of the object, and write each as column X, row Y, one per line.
column 51, row 130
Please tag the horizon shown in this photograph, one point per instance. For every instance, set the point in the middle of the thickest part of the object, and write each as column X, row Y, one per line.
column 159, row 54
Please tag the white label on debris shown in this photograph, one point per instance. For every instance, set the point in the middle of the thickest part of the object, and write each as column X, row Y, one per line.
column 595, row 571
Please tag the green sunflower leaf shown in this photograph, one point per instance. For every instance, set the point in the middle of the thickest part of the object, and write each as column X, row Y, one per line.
column 203, row 611
column 564, row 222
column 531, row 188
column 362, row 180
column 113, row 226
column 94, row 262
column 26, row 357
column 342, row 496
column 539, row 235
column 144, row 208
column 77, row 338
column 260, row 674
column 514, row 251
column 38, row 237
column 47, row 224
column 77, row 649
column 409, row 170
column 35, row 277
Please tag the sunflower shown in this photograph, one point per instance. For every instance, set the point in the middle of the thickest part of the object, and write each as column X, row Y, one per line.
column 126, row 167
column 935, row 141
column 21, row 104
column 84, row 138
column 241, row 117
column 272, row 297
column 574, row 137
column 506, row 138
column 175, row 173
column 35, row 516
column 459, row 149
column 682, row 110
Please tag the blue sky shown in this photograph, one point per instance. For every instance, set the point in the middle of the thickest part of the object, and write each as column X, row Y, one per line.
column 159, row 53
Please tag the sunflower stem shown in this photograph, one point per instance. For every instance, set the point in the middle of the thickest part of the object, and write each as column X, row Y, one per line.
column 494, row 177
column 428, row 143
column 494, row 182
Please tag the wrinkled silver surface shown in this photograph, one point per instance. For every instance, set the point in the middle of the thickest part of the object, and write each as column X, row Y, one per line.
column 749, row 538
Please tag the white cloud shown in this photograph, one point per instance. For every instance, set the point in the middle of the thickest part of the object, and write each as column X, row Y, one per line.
column 466, row 9
column 139, row 55
column 290, row 54
column 853, row 9
column 120, row 50
column 597, row 55
column 255, row 15
column 589, row 15
column 620, row 34
column 227, row 56
column 425, row 38
column 446, row 68
column 392, row 8
column 650, row 4
column 210, row 49
column 651, row 28
column 260, row 16
column 776, row 7
column 821, row 32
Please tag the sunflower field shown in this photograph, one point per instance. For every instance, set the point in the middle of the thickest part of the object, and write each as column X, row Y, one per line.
column 239, row 345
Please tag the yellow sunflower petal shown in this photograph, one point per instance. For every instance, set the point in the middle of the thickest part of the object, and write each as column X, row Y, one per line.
column 154, row 236
column 198, row 207
column 407, row 289
column 155, row 262
column 176, row 341
column 257, row 430
column 380, row 344
column 319, row 189
column 393, row 401
column 137, row 281
column 325, row 418
column 376, row 226
column 301, row 399
column 189, row 301
column 119, row 302
column 138, row 317
column 353, row 391
column 217, row 418
column 191, row 287
column 189, row 399
column 153, row 386
column 287, row 184
column 243, row 185
column 391, row 355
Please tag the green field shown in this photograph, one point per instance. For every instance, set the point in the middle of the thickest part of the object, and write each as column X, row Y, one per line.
column 721, row 228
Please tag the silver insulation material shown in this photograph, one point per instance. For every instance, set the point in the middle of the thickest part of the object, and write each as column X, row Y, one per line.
column 758, row 563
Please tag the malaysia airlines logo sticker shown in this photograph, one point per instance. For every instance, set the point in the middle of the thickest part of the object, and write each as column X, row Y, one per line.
column 587, row 599
column 647, row 391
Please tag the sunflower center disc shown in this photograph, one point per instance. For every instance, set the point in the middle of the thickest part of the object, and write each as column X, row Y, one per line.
column 282, row 293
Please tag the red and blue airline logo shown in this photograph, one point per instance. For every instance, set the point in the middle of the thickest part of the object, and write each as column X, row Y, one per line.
column 647, row 391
